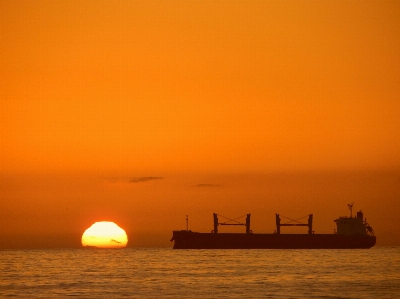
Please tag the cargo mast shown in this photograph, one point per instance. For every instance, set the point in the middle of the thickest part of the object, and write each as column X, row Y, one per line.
column 279, row 224
column 229, row 222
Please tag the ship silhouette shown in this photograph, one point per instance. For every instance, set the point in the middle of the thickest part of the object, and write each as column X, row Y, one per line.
column 351, row 233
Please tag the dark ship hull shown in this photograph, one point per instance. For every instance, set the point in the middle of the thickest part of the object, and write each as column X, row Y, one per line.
column 352, row 233
column 193, row 240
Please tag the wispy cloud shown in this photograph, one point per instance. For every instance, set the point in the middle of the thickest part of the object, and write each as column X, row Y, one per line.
column 145, row 179
column 207, row 185
column 114, row 241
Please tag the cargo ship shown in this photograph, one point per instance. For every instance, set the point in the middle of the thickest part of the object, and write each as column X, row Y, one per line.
column 351, row 233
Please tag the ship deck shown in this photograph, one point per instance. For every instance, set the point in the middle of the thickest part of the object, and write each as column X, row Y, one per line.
column 195, row 240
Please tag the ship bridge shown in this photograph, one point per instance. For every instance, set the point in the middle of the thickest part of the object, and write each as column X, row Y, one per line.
column 353, row 225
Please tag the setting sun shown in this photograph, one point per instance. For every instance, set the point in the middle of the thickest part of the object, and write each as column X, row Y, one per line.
column 104, row 234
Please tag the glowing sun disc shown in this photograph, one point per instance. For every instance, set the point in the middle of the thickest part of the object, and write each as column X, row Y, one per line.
column 104, row 234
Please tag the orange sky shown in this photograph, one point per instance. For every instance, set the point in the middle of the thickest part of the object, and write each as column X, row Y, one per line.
column 290, row 107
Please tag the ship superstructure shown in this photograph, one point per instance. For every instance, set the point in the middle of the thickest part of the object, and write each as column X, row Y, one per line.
column 349, row 226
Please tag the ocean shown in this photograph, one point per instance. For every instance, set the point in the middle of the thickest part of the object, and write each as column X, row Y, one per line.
column 168, row 273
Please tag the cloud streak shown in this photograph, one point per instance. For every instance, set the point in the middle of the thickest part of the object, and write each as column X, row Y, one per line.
column 145, row 179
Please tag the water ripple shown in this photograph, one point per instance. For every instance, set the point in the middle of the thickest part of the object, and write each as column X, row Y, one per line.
column 167, row 273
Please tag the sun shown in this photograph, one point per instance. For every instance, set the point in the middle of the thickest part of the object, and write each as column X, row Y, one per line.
column 104, row 234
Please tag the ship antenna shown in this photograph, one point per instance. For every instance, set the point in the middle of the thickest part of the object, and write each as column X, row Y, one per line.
column 187, row 222
column 350, row 205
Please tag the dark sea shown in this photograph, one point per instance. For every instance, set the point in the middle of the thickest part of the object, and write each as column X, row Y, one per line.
column 168, row 273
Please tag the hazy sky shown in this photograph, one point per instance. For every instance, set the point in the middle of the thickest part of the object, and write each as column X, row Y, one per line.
column 141, row 112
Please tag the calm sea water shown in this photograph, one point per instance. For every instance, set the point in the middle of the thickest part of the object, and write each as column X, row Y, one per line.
column 168, row 273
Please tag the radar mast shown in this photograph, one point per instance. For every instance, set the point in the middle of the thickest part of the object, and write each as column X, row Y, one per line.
column 350, row 205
